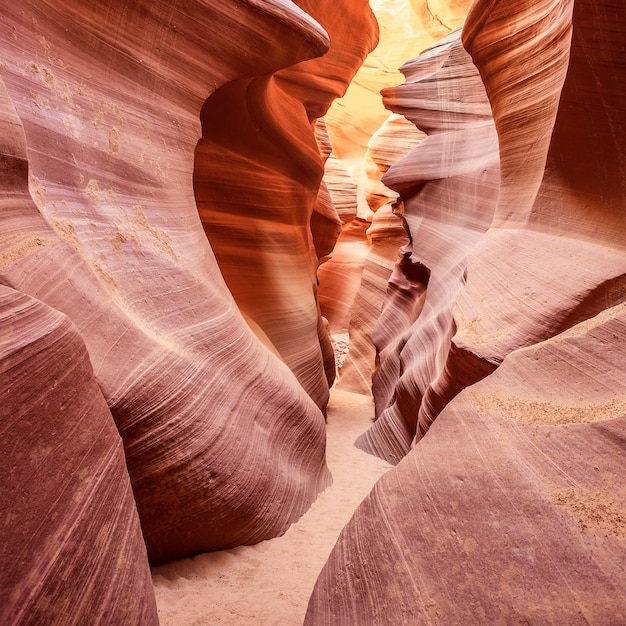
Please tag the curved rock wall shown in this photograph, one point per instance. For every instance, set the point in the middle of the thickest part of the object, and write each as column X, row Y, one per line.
column 448, row 186
column 508, row 506
column 68, row 508
column 549, row 220
column 102, row 107
column 510, row 510
column 584, row 167
column 257, row 177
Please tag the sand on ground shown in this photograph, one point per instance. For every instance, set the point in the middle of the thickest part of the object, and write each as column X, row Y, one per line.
column 270, row 582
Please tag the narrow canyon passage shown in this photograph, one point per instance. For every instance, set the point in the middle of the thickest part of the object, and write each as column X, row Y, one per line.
column 251, row 247
column 270, row 583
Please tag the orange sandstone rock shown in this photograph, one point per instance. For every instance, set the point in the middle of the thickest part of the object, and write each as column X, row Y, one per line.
column 257, row 176
column 100, row 117
column 508, row 507
column 448, row 185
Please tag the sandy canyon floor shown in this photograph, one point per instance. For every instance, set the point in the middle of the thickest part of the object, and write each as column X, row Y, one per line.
column 270, row 583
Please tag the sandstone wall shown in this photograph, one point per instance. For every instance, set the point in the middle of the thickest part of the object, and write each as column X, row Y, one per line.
column 70, row 540
column 509, row 418
column 105, row 108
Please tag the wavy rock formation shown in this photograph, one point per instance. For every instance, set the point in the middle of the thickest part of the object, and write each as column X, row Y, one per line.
column 585, row 208
column 69, row 513
column 257, row 178
column 448, row 185
column 336, row 198
column 359, row 127
column 554, row 218
column 102, row 108
column 380, row 242
column 510, row 509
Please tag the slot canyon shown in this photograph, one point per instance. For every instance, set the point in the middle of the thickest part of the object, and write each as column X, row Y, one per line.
column 313, row 311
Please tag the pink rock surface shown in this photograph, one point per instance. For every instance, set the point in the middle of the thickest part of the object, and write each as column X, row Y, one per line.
column 510, row 510
column 70, row 541
column 257, row 177
column 540, row 227
column 448, row 185
column 508, row 507
column 110, row 107
column 384, row 236
column 558, row 237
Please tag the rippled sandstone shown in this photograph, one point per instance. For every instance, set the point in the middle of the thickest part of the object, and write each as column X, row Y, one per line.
column 164, row 360
column 102, row 109
column 506, row 503
column 448, row 187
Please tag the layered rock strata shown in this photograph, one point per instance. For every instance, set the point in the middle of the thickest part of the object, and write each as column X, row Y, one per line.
column 101, row 115
column 510, row 508
column 70, row 540
column 561, row 225
column 448, row 187
column 257, row 176
column 336, row 198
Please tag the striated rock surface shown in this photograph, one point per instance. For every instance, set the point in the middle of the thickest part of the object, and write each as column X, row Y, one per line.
column 448, row 186
column 100, row 116
column 584, row 166
column 385, row 234
column 336, row 198
column 508, row 507
column 563, row 236
column 423, row 366
column 70, row 541
column 366, row 140
column 511, row 509
column 257, row 177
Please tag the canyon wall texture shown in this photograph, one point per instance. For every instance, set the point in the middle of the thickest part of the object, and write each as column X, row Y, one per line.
column 111, row 113
column 507, row 505
column 367, row 140
column 264, row 205
column 168, row 191
column 69, row 517
column 448, row 185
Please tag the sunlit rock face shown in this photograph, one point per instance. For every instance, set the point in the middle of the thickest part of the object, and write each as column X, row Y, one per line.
column 407, row 27
column 448, row 187
column 510, row 510
column 367, row 140
column 508, row 507
column 258, row 171
column 102, row 112
column 68, row 509
column 367, row 252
